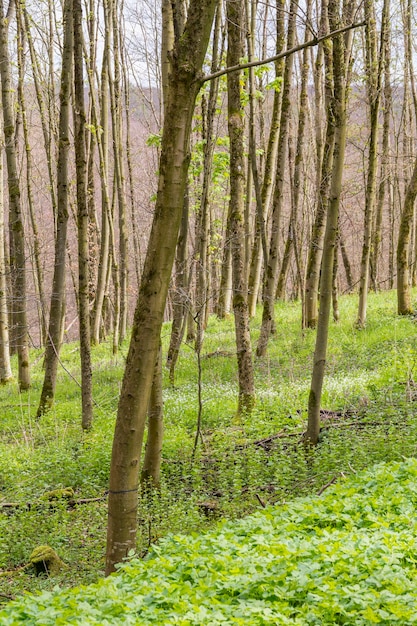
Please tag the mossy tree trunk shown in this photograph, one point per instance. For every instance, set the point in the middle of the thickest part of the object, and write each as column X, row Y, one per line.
column 187, row 58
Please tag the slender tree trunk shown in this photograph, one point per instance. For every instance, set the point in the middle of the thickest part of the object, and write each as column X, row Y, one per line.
column 38, row 273
column 54, row 336
column 404, row 305
column 203, row 221
column 346, row 262
column 5, row 364
column 298, row 165
column 385, row 170
column 225, row 296
column 271, row 269
column 235, row 15
column 270, row 167
column 374, row 66
column 330, row 239
column 15, row 210
column 117, row 127
column 325, row 167
column 82, row 220
column 151, row 469
column 187, row 59
column 103, row 145
column 180, row 293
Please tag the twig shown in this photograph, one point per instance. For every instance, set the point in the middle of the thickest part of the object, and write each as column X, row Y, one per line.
column 329, row 484
column 261, row 502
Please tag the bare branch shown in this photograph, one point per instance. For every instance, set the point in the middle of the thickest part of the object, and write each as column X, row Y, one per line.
column 308, row 44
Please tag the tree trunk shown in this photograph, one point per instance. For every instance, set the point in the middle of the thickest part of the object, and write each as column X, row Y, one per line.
column 187, row 59
column 271, row 269
column 5, row 365
column 151, row 469
column 374, row 66
column 325, row 167
column 82, row 220
column 18, row 261
column 270, row 166
column 404, row 305
column 235, row 14
column 298, row 165
column 103, row 145
column 330, row 239
column 53, row 341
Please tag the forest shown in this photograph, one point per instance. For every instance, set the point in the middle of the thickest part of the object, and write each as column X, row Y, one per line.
column 208, row 262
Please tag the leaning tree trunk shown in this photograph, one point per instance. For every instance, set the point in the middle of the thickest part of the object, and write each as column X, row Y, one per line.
column 236, row 208
column 16, row 224
column 187, row 59
column 53, row 340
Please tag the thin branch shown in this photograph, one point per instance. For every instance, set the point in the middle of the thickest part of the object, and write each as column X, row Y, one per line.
column 286, row 53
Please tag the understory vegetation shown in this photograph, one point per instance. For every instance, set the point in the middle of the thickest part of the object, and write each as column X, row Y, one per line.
column 348, row 557
column 351, row 549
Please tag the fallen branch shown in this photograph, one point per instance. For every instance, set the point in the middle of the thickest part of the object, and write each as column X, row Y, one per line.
column 30, row 505
column 329, row 484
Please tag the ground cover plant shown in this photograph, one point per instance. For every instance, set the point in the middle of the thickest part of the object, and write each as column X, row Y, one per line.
column 239, row 466
column 347, row 556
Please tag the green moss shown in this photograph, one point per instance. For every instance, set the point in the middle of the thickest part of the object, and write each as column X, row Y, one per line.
column 45, row 560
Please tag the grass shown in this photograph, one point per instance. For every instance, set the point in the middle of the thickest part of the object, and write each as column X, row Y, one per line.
column 367, row 373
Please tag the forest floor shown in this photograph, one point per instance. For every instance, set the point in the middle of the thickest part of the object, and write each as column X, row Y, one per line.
column 369, row 415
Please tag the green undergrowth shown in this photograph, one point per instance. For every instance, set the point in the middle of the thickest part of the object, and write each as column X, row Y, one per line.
column 240, row 464
column 347, row 556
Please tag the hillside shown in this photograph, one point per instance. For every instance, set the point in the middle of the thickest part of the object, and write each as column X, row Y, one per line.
column 238, row 467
